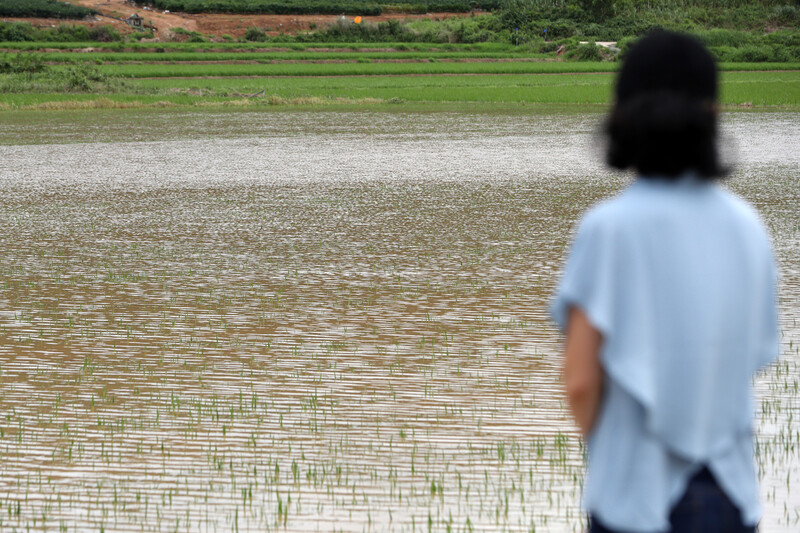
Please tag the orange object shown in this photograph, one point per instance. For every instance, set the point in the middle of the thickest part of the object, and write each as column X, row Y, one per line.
column 357, row 20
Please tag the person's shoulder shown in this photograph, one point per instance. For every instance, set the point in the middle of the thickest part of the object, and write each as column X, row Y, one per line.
column 738, row 205
column 611, row 212
column 743, row 212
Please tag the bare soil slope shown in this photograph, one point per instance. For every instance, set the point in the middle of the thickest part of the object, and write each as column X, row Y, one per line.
column 216, row 24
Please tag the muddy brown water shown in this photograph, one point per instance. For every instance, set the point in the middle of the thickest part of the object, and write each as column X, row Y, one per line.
column 297, row 321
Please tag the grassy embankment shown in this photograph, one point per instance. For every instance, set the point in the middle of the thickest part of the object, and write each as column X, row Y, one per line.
column 342, row 76
column 337, row 75
column 203, row 84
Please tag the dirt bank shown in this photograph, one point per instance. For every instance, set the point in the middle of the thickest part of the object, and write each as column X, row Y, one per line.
column 216, row 24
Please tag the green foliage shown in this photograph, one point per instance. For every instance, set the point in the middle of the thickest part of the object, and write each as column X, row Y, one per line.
column 598, row 9
column 786, row 14
column 607, row 20
column 106, row 34
column 22, row 63
column 329, row 7
column 16, row 32
column 139, row 35
column 188, row 35
column 255, row 35
column 744, row 47
column 734, row 30
column 757, row 54
column 20, row 32
column 27, row 72
column 43, row 9
column 347, row 31
column 585, row 52
column 469, row 30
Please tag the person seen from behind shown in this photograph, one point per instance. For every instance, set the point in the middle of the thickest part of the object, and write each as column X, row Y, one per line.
column 668, row 302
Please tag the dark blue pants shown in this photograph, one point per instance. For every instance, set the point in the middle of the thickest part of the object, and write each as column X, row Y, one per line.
column 704, row 508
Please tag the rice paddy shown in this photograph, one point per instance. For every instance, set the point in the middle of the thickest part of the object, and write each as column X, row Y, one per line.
column 738, row 89
column 122, row 75
column 337, row 75
column 327, row 321
column 356, row 68
column 277, row 56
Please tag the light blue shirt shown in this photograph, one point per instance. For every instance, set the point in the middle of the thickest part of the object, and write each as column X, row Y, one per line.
column 679, row 279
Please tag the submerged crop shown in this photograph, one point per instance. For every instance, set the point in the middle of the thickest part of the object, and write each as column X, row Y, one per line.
column 202, row 331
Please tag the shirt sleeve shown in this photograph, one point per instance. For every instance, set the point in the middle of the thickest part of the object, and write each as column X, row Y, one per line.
column 588, row 281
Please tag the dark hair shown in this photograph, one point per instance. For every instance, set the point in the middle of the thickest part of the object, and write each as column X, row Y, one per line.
column 664, row 119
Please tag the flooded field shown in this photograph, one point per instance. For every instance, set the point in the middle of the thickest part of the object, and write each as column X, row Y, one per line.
column 316, row 322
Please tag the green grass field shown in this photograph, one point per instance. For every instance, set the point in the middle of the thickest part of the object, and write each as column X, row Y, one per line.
column 117, row 59
column 181, row 56
column 738, row 89
column 172, row 70
column 347, row 69
column 317, row 75
column 773, row 88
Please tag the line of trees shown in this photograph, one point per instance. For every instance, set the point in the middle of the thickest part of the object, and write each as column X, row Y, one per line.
column 610, row 20
column 598, row 10
column 323, row 7
column 43, row 9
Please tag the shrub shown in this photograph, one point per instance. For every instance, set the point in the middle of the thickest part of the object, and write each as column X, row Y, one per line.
column 786, row 14
column 722, row 53
column 105, row 34
column 783, row 38
column 139, row 35
column 624, row 45
column 83, row 77
column 71, row 33
column 722, row 37
column 192, row 36
column 16, row 32
column 22, row 63
column 255, row 35
column 344, row 30
column 598, row 9
column 585, row 52
column 786, row 54
column 753, row 54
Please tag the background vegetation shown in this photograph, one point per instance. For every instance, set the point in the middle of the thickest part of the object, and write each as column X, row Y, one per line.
column 43, row 9
column 63, row 33
column 608, row 20
column 332, row 7
column 612, row 18
column 734, row 30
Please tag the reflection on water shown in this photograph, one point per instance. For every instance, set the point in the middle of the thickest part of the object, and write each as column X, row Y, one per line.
column 296, row 321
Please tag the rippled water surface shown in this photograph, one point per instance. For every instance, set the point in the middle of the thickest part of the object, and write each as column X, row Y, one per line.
column 300, row 322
